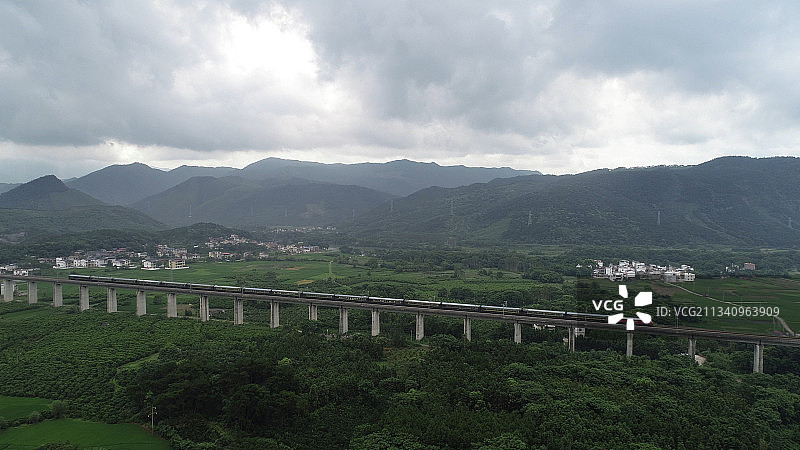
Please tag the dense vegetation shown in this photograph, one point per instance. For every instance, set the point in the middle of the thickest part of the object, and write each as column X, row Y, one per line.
column 731, row 201
column 707, row 262
column 252, row 387
column 47, row 206
column 235, row 201
column 62, row 245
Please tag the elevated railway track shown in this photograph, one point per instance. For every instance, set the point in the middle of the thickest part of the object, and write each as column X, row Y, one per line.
column 574, row 322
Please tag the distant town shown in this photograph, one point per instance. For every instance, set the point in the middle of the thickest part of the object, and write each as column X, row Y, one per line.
column 167, row 257
column 625, row 270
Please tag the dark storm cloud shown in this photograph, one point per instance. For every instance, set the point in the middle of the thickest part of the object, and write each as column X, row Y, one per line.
column 435, row 59
column 489, row 83
column 488, row 62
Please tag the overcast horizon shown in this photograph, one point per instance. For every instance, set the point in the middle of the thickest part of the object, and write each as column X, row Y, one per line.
column 558, row 87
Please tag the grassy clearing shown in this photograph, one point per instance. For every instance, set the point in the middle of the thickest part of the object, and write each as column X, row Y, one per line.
column 731, row 292
column 139, row 362
column 20, row 407
column 81, row 433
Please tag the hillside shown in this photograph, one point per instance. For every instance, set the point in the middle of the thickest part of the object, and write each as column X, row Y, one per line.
column 129, row 183
column 47, row 206
column 234, row 201
column 732, row 200
column 400, row 177
column 45, row 193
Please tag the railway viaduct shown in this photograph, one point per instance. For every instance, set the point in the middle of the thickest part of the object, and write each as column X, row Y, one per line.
column 512, row 315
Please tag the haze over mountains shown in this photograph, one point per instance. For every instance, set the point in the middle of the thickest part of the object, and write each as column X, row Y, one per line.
column 732, row 201
column 241, row 202
column 5, row 187
column 736, row 201
column 127, row 184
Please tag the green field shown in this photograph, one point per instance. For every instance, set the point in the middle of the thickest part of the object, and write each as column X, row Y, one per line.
column 81, row 433
column 19, row 407
column 717, row 293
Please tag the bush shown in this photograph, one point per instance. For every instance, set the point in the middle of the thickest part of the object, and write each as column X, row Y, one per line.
column 35, row 417
column 59, row 409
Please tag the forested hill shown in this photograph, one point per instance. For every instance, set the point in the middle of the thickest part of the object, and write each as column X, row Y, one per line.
column 47, row 206
column 401, row 177
column 125, row 184
column 731, row 200
column 236, row 201
column 45, row 193
column 131, row 183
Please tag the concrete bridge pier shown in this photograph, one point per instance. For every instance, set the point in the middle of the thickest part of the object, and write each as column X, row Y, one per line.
column 420, row 327
column 758, row 358
column 692, row 347
column 571, row 339
column 238, row 311
column 468, row 328
column 111, row 303
column 8, row 290
column 141, row 302
column 312, row 311
column 172, row 304
column 32, row 293
column 376, row 322
column 274, row 314
column 629, row 347
column 344, row 323
column 58, row 296
column 517, row 333
column 83, row 303
column 204, row 315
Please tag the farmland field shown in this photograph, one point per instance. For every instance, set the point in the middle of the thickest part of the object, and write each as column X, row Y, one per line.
column 82, row 434
column 12, row 408
column 717, row 293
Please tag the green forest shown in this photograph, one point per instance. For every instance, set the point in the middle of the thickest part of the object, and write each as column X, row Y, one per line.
column 213, row 385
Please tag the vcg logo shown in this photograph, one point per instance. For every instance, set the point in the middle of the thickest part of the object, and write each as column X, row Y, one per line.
column 641, row 299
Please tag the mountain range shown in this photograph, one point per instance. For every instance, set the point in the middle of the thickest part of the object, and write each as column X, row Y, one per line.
column 734, row 201
column 131, row 183
column 731, row 201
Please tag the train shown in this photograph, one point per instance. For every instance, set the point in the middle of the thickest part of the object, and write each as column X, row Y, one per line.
column 499, row 310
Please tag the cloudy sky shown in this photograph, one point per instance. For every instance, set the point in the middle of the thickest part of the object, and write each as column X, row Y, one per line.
column 560, row 87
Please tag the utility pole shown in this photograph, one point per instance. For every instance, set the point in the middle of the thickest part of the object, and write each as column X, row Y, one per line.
column 152, row 417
